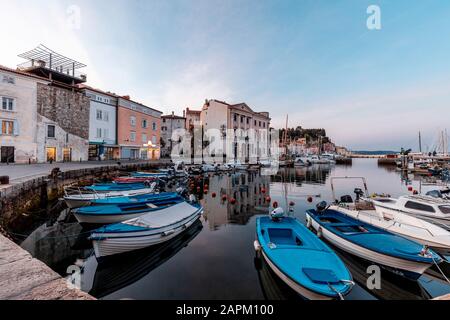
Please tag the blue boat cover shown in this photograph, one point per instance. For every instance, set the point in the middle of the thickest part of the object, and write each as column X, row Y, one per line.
column 321, row 275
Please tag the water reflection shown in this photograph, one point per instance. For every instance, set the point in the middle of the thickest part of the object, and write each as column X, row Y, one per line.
column 249, row 192
column 119, row 272
column 218, row 262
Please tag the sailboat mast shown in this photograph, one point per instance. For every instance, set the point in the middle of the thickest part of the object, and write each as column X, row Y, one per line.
column 420, row 143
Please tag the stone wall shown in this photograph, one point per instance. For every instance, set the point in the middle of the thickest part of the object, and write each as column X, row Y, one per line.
column 70, row 110
column 19, row 202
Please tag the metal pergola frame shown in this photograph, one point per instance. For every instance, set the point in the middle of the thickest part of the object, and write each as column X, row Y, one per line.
column 52, row 59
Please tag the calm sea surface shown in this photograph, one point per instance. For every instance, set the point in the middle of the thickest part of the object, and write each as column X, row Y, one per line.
column 215, row 258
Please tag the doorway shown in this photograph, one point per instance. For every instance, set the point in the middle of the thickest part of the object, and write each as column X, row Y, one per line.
column 7, row 154
column 51, row 154
column 67, row 154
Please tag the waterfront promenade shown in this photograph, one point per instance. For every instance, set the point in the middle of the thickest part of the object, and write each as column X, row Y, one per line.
column 22, row 172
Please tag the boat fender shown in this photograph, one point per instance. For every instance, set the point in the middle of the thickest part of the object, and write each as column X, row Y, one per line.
column 319, row 232
column 308, row 222
column 168, row 233
column 277, row 214
column 257, row 245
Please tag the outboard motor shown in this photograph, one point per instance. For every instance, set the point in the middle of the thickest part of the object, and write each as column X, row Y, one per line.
column 182, row 192
column 321, row 206
column 359, row 193
column 277, row 214
column 192, row 198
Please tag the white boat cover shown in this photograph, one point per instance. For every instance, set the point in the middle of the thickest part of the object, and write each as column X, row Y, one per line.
column 164, row 217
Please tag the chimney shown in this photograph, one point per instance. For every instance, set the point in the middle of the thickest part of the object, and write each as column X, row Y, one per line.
column 126, row 97
column 184, row 113
column 173, row 113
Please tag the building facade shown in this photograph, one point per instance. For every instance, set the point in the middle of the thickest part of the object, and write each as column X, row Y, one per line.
column 18, row 116
column 192, row 118
column 139, row 130
column 242, row 121
column 62, row 120
column 170, row 123
column 102, row 124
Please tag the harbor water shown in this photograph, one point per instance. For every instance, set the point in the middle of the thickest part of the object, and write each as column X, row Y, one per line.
column 215, row 258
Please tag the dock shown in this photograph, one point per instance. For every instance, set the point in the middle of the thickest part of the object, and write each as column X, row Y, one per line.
column 26, row 278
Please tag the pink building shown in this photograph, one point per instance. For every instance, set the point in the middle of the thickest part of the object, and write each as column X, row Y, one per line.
column 139, row 130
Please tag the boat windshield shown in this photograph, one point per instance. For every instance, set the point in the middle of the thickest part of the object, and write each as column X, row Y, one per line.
column 445, row 209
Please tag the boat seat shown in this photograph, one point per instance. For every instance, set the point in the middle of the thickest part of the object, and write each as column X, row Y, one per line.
column 323, row 276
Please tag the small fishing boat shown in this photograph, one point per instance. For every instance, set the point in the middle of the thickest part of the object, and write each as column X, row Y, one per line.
column 133, row 180
column 108, row 187
column 301, row 259
column 76, row 197
column 141, row 198
column 107, row 214
column 153, row 175
column 401, row 255
column 147, row 230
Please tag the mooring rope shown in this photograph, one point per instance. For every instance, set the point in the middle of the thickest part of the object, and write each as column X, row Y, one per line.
column 445, row 277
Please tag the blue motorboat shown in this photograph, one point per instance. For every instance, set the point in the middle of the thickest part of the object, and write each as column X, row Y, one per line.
column 106, row 187
column 137, row 199
column 301, row 259
column 114, row 213
column 149, row 229
column 398, row 254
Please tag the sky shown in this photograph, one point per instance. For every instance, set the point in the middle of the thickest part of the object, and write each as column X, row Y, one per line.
column 314, row 60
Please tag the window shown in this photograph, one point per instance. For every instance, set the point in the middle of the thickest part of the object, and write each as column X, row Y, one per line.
column 144, row 138
column 99, row 115
column 7, row 104
column 235, row 117
column 154, row 140
column 132, row 136
column 242, row 119
column 106, row 116
column 8, row 79
column 133, row 121
column 164, row 120
column 50, row 131
column 7, row 127
column 264, row 124
column 99, row 133
column 154, row 126
column 144, row 123
column 444, row 209
column 419, row 206
column 248, row 120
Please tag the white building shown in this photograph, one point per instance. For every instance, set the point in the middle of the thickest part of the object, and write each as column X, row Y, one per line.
column 18, row 115
column 241, row 121
column 102, row 124
column 170, row 123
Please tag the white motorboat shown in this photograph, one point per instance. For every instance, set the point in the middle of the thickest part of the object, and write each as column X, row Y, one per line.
column 435, row 210
column 299, row 162
column 418, row 230
column 76, row 197
column 237, row 165
column 144, row 231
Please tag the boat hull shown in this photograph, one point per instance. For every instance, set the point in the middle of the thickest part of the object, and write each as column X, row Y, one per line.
column 82, row 200
column 409, row 269
column 304, row 292
column 108, row 244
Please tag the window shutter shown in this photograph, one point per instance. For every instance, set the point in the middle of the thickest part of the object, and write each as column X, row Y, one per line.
column 16, row 128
